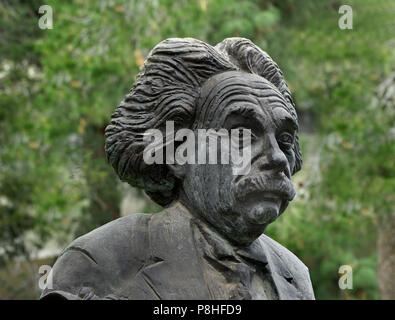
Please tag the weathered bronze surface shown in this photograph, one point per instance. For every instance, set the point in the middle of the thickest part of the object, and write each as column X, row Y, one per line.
column 208, row 242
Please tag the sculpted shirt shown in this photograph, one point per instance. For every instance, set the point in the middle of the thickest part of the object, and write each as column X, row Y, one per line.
column 172, row 255
column 236, row 273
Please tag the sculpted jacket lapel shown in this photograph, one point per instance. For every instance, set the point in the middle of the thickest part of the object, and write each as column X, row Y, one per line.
column 177, row 273
column 174, row 273
column 284, row 280
column 251, row 272
column 262, row 254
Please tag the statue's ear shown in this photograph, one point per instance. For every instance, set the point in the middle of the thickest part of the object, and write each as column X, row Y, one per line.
column 184, row 152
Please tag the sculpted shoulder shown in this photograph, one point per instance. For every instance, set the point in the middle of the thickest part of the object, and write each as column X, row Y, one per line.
column 101, row 259
column 283, row 253
column 289, row 266
column 119, row 237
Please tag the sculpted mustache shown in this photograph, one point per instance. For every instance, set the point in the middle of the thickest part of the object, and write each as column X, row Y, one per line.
column 263, row 183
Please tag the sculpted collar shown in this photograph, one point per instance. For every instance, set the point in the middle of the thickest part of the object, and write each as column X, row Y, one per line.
column 232, row 270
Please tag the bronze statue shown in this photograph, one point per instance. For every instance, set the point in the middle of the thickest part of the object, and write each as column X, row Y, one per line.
column 208, row 242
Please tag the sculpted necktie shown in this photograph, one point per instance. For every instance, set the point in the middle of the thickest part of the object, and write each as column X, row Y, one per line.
column 231, row 272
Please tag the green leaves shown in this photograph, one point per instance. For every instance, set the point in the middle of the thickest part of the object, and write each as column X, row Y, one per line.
column 58, row 88
column 335, row 74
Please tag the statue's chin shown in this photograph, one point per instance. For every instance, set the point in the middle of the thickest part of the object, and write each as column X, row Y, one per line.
column 264, row 213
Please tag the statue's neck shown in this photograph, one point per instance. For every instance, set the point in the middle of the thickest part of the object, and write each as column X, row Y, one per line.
column 183, row 207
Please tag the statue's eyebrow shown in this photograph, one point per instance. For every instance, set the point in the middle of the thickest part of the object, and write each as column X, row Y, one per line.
column 246, row 111
column 288, row 121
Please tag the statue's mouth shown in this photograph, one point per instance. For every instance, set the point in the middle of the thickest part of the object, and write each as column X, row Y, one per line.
column 266, row 188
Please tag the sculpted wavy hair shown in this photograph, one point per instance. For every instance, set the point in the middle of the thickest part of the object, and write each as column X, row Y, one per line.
column 167, row 89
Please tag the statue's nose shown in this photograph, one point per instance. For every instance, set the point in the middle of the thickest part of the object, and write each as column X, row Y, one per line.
column 273, row 158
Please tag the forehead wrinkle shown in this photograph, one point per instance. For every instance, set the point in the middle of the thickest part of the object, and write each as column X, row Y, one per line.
column 227, row 96
column 207, row 99
column 209, row 96
column 221, row 95
column 216, row 97
column 276, row 100
column 256, row 89
column 231, row 87
column 230, row 97
column 255, row 106
column 243, row 80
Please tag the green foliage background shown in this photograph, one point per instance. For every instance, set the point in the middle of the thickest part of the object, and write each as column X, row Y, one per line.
column 58, row 88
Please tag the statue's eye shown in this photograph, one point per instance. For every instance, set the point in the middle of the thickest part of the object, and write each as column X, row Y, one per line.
column 286, row 140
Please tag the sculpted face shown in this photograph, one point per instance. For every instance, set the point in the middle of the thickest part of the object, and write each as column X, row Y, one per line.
column 241, row 206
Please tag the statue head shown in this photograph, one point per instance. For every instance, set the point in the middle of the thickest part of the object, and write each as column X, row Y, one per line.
column 232, row 86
